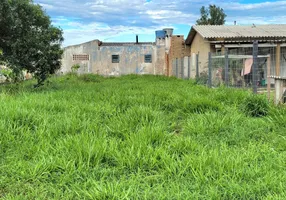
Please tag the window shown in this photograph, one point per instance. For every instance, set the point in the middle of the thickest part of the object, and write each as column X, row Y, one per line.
column 148, row 58
column 115, row 58
column 80, row 57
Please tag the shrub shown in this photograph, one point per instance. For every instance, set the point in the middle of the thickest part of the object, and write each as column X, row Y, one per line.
column 12, row 75
column 75, row 68
column 255, row 106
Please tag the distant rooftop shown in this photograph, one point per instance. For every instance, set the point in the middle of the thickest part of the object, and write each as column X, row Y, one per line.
column 124, row 43
column 100, row 43
column 210, row 32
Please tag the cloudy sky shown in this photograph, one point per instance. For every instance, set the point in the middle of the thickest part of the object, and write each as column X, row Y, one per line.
column 121, row 20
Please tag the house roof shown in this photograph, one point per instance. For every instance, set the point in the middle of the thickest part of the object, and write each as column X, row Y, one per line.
column 212, row 32
column 100, row 43
column 125, row 43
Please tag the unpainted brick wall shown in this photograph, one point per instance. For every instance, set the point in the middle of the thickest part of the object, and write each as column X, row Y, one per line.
column 178, row 50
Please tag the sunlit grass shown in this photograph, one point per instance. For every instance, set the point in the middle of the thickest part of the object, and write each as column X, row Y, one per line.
column 137, row 137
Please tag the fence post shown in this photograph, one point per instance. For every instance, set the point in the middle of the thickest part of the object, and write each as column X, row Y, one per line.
column 255, row 66
column 177, row 67
column 226, row 74
column 268, row 76
column 197, row 66
column 210, row 70
column 173, row 67
column 182, row 68
column 278, row 59
column 189, row 68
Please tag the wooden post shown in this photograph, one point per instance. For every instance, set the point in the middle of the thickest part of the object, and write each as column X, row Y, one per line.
column 278, row 58
column 222, row 51
column 268, row 76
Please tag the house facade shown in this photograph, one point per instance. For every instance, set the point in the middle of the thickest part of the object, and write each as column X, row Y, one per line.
column 115, row 59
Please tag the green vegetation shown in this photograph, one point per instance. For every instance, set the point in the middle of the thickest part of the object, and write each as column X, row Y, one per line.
column 213, row 15
column 28, row 40
column 255, row 106
column 75, row 68
column 137, row 137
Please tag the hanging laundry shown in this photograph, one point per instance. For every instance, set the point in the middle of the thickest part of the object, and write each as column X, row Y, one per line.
column 247, row 67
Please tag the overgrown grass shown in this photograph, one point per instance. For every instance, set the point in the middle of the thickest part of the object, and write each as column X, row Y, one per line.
column 137, row 137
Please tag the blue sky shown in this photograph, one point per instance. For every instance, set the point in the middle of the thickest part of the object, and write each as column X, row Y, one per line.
column 121, row 20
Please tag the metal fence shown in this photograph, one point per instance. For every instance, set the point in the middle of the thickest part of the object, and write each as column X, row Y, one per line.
column 186, row 67
column 248, row 67
column 243, row 66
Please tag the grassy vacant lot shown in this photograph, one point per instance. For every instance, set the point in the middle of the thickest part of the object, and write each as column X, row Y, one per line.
column 137, row 138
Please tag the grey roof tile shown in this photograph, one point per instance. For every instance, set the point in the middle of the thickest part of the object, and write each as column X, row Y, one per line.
column 238, row 31
column 242, row 31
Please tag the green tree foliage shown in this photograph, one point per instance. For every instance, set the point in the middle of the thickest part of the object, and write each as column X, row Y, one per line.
column 28, row 40
column 212, row 16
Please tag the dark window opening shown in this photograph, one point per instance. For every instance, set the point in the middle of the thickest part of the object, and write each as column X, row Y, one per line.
column 115, row 58
column 148, row 58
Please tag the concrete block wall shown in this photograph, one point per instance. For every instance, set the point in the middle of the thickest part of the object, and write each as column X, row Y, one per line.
column 163, row 52
column 88, row 48
column 131, row 58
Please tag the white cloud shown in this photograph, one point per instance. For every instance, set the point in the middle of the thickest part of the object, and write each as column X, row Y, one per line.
column 91, row 19
column 252, row 6
column 46, row 6
column 100, row 31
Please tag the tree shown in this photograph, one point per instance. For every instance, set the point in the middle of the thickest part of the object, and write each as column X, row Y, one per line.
column 28, row 40
column 212, row 16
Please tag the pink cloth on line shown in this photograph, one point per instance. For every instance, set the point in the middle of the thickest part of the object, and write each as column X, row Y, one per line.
column 247, row 67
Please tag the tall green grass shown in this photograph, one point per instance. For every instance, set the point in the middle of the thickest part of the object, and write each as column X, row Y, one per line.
column 137, row 137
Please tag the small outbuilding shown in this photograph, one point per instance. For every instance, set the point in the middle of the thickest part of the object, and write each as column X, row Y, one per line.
column 238, row 40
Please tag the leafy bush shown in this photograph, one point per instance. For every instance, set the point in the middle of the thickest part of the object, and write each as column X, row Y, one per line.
column 12, row 75
column 75, row 68
column 255, row 106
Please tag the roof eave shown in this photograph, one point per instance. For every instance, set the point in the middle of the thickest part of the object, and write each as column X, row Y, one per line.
column 191, row 36
column 248, row 39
